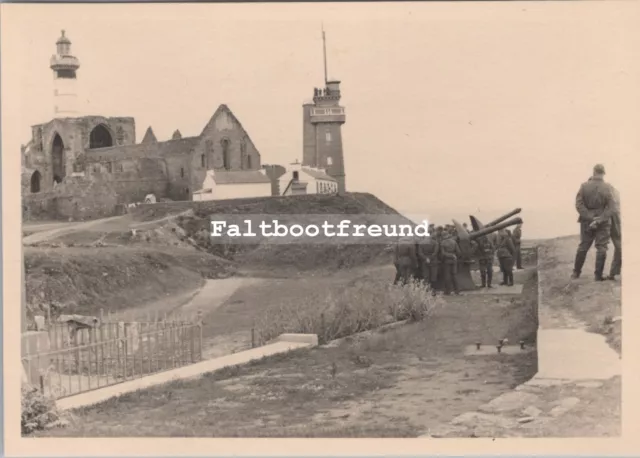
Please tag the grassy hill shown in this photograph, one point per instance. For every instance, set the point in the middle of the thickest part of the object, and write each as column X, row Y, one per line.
column 164, row 251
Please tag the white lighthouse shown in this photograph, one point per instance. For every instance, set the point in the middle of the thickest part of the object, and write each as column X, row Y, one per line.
column 65, row 82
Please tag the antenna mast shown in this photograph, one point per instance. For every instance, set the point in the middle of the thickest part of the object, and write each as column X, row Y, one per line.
column 324, row 51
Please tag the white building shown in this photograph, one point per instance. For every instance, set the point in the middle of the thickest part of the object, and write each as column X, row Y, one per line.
column 220, row 185
column 306, row 180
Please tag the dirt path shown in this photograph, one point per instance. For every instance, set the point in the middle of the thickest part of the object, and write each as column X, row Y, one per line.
column 212, row 296
column 44, row 235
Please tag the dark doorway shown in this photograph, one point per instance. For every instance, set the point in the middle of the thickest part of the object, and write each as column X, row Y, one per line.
column 100, row 137
column 226, row 159
column 35, row 182
column 57, row 159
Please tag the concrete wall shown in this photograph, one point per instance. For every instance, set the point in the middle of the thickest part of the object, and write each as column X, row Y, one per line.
column 241, row 191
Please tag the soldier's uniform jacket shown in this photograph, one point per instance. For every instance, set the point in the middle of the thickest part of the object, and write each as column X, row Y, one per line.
column 484, row 249
column 595, row 199
column 616, row 224
column 449, row 249
column 517, row 235
column 405, row 254
column 428, row 250
column 505, row 246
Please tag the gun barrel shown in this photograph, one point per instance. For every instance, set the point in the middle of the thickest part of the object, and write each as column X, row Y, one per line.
column 494, row 228
column 504, row 217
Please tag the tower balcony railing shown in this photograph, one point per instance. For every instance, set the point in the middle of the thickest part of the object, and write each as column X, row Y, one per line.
column 327, row 111
column 328, row 114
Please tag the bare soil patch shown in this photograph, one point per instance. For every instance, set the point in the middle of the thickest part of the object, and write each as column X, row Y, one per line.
column 594, row 303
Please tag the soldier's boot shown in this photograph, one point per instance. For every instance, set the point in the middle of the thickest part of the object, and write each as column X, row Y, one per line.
column 489, row 277
column 510, row 279
column 601, row 259
column 483, row 278
column 581, row 256
column 454, row 280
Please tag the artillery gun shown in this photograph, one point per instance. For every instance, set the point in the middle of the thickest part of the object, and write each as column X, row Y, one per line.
column 464, row 239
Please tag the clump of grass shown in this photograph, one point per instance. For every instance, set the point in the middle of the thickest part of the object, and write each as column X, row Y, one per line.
column 358, row 307
column 39, row 412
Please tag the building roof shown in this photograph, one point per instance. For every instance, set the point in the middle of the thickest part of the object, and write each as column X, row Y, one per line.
column 149, row 136
column 240, row 177
column 317, row 174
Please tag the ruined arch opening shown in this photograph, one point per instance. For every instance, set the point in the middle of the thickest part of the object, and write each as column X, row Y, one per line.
column 35, row 182
column 226, row 158
column 57, row 159
column 100, row 137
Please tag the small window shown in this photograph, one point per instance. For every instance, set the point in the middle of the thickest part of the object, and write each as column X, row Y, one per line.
column 202, row 160
column 329, row 161
column 182, row 172
column 328, row 136
column 109, row 167
column 295, row 175
column 120, row 168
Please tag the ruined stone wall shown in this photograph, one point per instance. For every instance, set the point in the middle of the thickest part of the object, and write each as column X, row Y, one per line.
column 242, row 153
column 78, row 198
column 180, row 176
column 75, row 135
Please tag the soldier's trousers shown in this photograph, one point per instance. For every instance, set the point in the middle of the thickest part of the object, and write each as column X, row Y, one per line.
column 486, row 271
column 616, row 263
column 506, row 265
column 449, row 272
column 601, row 235
column 403, row 273
column 430, row 274
column 518, row 259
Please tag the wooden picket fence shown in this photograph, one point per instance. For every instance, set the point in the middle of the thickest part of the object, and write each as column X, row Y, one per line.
column 117, row 349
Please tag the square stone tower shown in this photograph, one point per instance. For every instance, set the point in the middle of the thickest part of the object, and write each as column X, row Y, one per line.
column 322, row 129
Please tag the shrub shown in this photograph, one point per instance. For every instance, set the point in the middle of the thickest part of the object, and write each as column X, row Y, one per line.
column 358, row 307
column 38, row 411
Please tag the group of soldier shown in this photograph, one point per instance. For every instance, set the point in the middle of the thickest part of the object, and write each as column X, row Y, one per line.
column 433, row 260
column 598, row 207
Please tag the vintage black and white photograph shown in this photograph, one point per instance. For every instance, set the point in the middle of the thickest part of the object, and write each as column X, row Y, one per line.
column 319, row 220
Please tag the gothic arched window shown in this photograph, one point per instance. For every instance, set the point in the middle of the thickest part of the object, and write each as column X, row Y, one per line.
column 226, row 157
column 35, row 182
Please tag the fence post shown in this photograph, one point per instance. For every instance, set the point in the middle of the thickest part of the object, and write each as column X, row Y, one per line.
column 125, row 344
column 322, row 329
column 199, row 334
column 78, row 358
column 118, row 341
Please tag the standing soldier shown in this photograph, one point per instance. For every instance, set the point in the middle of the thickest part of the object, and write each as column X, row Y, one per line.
column 595, row 205
column 505, row 251
column 405, row 259
column 616, row 238
column 517, row 239
column 484, row 253
column 428, row 258
column 449, row 254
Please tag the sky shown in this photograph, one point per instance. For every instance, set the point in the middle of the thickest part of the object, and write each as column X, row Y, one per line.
column 452, row 109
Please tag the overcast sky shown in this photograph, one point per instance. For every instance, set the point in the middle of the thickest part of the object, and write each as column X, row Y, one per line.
column 452, row 109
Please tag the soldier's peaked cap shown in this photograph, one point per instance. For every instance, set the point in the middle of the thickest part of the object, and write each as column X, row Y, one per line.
column 598, row 168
